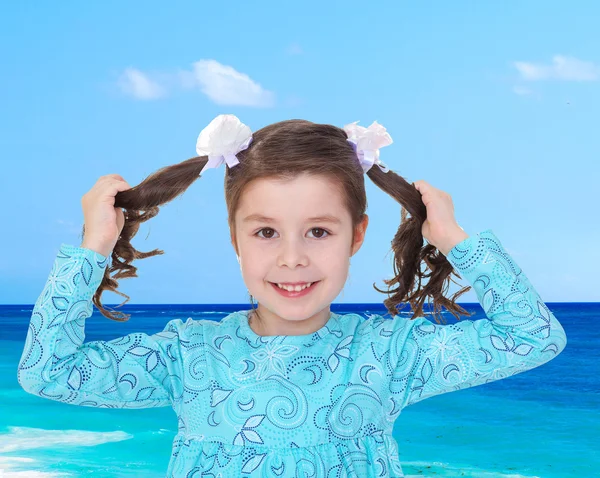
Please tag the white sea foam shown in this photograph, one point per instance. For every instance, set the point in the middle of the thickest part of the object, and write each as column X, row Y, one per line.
column 25, row 438
column 446, row 469
column 8, row 462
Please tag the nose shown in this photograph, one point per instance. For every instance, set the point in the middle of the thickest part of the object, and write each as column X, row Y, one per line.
column 293, row 252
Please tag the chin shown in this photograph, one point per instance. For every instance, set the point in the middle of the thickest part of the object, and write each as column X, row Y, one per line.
column 292, row 313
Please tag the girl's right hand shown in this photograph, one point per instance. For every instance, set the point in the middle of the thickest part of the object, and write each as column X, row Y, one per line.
column 103, row 221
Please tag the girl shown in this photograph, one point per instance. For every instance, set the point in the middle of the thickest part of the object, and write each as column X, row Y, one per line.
column 288, row 388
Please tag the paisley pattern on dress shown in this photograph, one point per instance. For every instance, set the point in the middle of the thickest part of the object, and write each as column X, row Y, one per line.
column 321, row 405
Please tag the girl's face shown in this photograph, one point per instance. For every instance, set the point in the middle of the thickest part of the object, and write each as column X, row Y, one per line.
column 288, row 244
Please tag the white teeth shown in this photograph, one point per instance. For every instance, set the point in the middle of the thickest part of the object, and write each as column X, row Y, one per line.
column 296, row 288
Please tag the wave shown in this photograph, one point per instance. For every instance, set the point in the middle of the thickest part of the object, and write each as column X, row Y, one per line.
column 445, row 469
column 8, row 462
column 25, row 438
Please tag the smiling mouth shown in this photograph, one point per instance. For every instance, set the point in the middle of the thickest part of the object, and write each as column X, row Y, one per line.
column 293, row 293
column 295, row 284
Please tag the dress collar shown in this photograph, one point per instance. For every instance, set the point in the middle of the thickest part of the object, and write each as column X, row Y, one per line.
column 332, row 325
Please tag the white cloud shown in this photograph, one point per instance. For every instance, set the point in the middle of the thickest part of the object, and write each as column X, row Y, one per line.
column 139, row 85
column 562, row 68
column 527, row 92
column 226, row 86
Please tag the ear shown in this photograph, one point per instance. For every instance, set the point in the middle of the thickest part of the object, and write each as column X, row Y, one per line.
column 359, row 234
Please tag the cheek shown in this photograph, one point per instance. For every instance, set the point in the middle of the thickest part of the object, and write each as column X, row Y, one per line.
column 333, row 266
column 253, row 265
column 341, row 269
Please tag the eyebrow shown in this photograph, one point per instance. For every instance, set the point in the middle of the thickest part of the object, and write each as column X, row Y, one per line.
column 261, row 218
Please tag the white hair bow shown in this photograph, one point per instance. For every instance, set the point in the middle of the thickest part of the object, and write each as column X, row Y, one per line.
column 366, row 143
column 221, row 140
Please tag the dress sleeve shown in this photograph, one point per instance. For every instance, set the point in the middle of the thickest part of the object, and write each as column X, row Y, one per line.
column 421, row 358
column 134, row 371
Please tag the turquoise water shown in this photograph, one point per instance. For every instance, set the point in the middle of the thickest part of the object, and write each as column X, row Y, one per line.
column 543, row 423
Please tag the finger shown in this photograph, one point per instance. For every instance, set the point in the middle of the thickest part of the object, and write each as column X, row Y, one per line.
column 111, row 177
column 109, row 190
column 115, row 179
column 121, row 185
column 425, row 188
column 421, row 185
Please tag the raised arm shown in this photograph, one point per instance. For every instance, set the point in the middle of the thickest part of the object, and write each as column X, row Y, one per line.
column 421, row 358
column 134, row 371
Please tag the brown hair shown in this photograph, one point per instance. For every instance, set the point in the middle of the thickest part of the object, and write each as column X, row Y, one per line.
column 285, row 150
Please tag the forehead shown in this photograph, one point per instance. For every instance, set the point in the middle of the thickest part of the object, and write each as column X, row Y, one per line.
column 300, row 198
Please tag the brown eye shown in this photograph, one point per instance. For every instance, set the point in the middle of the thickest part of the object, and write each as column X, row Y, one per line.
column 265, row 229
column 320, row 236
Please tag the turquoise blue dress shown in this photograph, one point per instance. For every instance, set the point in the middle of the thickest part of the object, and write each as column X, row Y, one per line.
column 321, row 405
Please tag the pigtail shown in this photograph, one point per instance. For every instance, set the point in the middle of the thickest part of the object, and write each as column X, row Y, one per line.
column 142, row 203
column 409, row 254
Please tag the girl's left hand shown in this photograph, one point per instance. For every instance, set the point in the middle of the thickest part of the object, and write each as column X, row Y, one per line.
column 440, row 229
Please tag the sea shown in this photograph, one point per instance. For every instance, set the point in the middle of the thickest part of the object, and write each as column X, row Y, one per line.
column 543, row 423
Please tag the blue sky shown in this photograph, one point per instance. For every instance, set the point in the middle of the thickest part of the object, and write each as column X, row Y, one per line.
column 495, row 103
